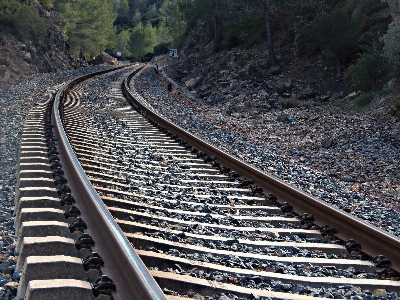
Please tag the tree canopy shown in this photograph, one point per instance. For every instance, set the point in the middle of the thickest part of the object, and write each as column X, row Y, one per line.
column 87, row 25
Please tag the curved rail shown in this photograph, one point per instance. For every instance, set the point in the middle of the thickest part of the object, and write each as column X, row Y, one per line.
column 123, row 265
column 374, row 241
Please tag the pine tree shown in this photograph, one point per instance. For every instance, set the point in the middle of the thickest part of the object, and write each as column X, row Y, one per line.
column 152, row 12
column 168, row 10
column 122, row 44
column 137, row 18
column 87, row 25
column 142, row 40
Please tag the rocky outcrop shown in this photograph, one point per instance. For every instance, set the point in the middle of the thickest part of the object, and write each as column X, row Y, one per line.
column 40, row 54
column 105, row 59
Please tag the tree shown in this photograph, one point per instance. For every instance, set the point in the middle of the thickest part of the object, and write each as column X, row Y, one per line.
column 141, row 5
column 121, row 7
column 137, row 18
column 162, row 33
column 392, row 46
column 152, row 12
column 47, row 4
column 271, row 51
column 122, row 44
column 333, row 31
column 87, row 25
column 168, row 10
column 209, row 11
column 142, row 40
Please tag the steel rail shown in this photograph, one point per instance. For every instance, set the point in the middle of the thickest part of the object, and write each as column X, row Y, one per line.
column 373, row 240
column 122, row 264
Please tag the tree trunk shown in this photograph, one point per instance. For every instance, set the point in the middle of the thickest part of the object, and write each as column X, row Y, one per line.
column 269, row 36
column 215, row 29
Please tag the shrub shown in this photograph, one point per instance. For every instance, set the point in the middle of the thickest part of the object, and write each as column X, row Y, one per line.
column 368, row 70
column 392, row 46
column 22, row 19
column 364, row 99
column 231, row 39
column 161, row 49
column 333, row 31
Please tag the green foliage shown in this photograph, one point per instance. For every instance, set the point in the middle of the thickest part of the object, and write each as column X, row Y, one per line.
column 160, row 49
column 397, row 105
column 176, row 31
column 168, row 11
column 47, row 4
column 251, row 23
column 162, row 34
column 122, row 44
column 152, row 12
column 87, row 25
column 288, row 15
column 364, row 99
column 121, row 7
column 231, row 38
column 21, row 19
column 142, row 40
column 137, row 18
column 392, row 47
column 330, row 31
column 227, row 22
column 141, row 5
column 368, row 70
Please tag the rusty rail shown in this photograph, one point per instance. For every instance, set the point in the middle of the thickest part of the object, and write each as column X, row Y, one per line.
column 374, row 241
column 122, row 263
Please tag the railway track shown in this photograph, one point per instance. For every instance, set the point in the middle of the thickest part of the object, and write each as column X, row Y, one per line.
column 203, row 223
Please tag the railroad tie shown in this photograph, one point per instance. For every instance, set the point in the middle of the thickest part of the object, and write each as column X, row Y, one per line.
column 50, row 263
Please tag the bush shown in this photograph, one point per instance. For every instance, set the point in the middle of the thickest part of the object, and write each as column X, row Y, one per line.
column 364, row 99
column 368, row 70
column 333, row 31
column 231, row 39
column 392, row 47
column 22, row 19
column 162, row 48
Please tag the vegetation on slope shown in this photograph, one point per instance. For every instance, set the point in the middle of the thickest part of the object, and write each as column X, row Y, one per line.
column 350, row 32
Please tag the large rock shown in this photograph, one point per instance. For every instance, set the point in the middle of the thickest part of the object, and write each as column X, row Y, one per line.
column 204, row 91
column 307, row 93
column 276, row 70
column 105, row 59
column 194, row 83
column 255, row 71
column 26, row 56
column 327, row 143
column 279, row 88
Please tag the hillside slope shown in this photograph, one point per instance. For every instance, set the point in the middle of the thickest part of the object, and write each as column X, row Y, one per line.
column 24, row 54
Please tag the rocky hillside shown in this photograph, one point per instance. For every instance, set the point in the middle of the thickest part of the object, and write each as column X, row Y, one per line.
column 240, row 76
column 28, row 55
column 243, row 77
